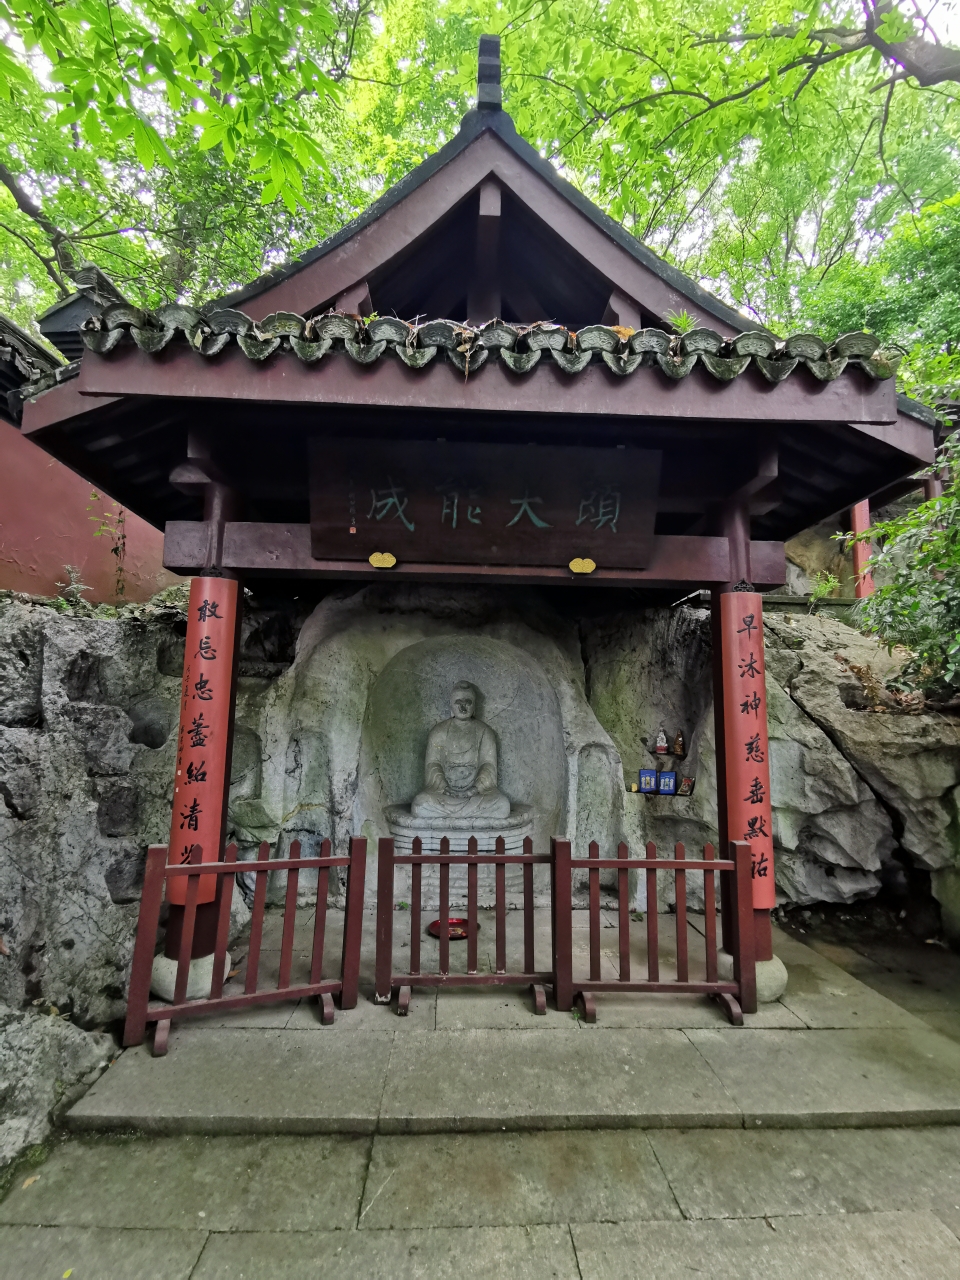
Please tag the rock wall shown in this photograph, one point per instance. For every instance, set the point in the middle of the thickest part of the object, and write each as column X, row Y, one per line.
column 335, row 700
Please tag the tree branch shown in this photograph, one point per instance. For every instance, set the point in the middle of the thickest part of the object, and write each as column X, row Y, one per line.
column 29, row 207
column 49, row 263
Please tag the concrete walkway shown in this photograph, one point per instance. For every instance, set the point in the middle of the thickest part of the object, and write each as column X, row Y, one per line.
column 833, row 1052
column 703, row 1150
column 876, row 1204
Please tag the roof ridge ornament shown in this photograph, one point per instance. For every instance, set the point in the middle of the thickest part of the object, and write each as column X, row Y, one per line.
column 489, row 91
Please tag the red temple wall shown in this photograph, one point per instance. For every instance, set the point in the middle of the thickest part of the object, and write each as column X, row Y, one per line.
column 45, row 525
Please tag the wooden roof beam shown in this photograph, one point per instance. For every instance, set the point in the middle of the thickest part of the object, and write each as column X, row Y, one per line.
column 483, row 300
column 622, row 310
column 356, row 300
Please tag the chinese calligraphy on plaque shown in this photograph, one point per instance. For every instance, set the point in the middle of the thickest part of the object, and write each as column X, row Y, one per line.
column 483, row 503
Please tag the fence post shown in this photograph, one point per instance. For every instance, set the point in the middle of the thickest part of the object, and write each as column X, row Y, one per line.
column 225, row 884
column 744, row 955
column 353, row 923
column 562, row 875
column 141, row 971
column 383, row 990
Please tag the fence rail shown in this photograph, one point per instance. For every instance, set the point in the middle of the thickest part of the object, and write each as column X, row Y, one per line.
column 732, row 876
column 388, row 980
column 158, row 873
column 737, row 996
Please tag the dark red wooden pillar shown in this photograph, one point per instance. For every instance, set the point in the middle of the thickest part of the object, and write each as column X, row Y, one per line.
column 740, row 719
column 204, row 737
column 860, row 523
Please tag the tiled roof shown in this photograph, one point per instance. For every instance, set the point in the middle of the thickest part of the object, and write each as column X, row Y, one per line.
column 521, row 348
column 21, row 361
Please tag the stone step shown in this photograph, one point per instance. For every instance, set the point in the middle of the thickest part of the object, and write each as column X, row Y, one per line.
column 337, row 1080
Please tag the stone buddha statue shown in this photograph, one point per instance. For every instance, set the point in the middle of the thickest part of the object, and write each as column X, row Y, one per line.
column 461, row 766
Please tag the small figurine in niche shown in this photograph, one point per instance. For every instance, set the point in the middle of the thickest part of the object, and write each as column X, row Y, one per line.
column 661, row 747
column 667, row 783
column 686, row 786
column 679, row 747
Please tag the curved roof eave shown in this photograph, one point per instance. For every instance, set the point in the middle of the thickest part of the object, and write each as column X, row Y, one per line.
column 474, row 124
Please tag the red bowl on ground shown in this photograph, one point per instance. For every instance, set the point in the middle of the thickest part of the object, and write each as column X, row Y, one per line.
column 456, row 928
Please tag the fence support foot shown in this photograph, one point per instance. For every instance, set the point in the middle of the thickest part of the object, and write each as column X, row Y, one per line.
column 539, row 999
column 326, row 1008
column 588, row 1009
column 731, row 1007
column 161, row 1037
column 403, row 1001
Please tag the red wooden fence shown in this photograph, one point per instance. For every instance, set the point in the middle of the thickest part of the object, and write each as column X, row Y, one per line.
column 388, row 980
column 737, row 997
column 158, row 875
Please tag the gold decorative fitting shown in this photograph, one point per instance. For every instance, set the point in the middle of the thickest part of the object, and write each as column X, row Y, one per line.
column 580, row 565
column 383, row 560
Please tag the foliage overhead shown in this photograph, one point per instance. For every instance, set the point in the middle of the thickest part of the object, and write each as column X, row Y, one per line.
column 802, row 163
column 917, row 601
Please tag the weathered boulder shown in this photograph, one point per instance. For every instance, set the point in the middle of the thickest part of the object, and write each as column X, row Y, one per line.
column 849, row 785
column 911, row 763
column 79, row 802
column 45, row 1063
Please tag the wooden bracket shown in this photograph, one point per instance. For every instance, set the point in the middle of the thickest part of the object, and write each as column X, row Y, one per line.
column 539, row 999
column 731, row 1007
column 586, row 1005
column 356, row 300
column 403, row 1001
column 161, row 1037
column 621, row 310
column 326, row 1009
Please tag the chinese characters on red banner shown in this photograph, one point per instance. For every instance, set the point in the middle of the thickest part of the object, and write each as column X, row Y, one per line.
column 202, row 739
column 745, row 728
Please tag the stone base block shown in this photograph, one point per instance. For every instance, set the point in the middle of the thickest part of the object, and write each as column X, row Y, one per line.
column 771, row 976
column 404, row 828
column 163, row 981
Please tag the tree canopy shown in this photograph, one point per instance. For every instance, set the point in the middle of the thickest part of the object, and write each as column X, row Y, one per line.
column 801, row 163
column 917, row 600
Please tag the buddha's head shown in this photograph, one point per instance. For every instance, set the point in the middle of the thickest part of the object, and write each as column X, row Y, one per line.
column 463, row 700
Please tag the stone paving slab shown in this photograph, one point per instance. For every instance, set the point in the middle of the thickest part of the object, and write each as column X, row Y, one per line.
column 867, row 1246
column 36, row 1253
column 368, row 1016
column 252, row 1081
column 824, row 1079
column 460, row 1009
column 262, row 1183
column 823, row 996
column 947, row 1024
column 919, row 995
column 501, row 1179
column 482, row 1080
column 496, row 1008
column 950, row 1218
column 486, row 1253
column 776, row 1172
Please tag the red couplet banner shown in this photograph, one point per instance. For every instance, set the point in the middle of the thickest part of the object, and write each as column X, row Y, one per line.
column 203, row 738
column 745, row 732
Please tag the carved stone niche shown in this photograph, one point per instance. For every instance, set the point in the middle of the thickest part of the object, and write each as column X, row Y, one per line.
column 517, row 704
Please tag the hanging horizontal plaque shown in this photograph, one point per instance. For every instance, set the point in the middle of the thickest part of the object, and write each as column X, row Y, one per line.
column 494, row 504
